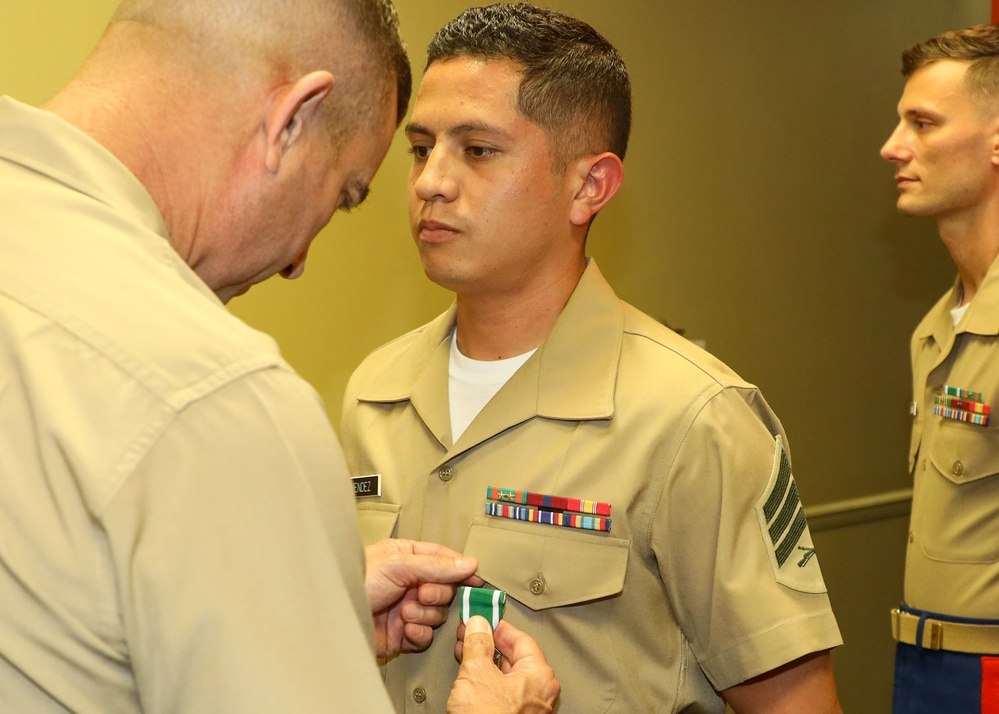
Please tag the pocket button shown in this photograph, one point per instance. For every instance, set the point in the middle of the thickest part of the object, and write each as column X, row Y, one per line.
column 537, row 586
column 958, row 468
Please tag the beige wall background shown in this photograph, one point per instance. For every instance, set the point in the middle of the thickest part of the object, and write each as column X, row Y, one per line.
column 756, row 215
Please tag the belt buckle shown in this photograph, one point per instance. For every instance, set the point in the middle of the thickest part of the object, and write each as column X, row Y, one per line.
column 936, row 636
column 931, row 640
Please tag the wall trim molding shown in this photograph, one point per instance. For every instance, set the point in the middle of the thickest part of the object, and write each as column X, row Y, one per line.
column 855, row 511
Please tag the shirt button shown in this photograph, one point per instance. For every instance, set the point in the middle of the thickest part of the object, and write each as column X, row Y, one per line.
column 924, row 463
column 912, row 537
column 957, row 468
column 445, row 474
column 537, row 586
column 419, row 695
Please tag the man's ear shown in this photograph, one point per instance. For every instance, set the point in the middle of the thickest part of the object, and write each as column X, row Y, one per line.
column 601, row 176
column 289, row 110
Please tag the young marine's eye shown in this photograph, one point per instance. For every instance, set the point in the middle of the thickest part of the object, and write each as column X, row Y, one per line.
column 480, row 152
column 420, row 152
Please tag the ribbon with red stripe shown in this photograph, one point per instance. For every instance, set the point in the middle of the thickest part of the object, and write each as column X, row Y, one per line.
column 542, row 500
column 551, row 518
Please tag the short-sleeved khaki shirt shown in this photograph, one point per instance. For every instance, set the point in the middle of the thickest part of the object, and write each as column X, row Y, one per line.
column 707, row 576
column 176, row 533
column 952, row 563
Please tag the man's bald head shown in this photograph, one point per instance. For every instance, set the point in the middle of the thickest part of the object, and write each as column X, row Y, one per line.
column 249, row 122
column 358, row 41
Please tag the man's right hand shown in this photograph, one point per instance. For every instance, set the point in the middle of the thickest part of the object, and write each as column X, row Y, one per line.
column 524, row 683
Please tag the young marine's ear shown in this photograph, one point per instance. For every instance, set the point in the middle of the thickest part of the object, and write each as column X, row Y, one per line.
column 290, row 109
column 601, row 176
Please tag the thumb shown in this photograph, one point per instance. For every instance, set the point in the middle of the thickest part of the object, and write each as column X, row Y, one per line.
column 478, row 643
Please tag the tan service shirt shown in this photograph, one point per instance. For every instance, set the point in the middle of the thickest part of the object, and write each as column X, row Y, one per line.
column 686, row 594
column 952, row 563
column 175, row 530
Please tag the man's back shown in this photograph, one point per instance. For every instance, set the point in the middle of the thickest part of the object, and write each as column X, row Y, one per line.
column 141, row 531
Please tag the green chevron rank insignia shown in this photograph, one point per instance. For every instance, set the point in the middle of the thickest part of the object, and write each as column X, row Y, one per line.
column 481, row 601
column 785, row 530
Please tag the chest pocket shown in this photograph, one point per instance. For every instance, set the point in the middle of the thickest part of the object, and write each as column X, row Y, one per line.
column 565, row 580
column 377, row 520
column 547, row 566
column 959, row 499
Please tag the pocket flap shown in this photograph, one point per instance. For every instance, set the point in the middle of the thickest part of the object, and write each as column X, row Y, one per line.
column 547, row 566
column 963, row 453
column 377, row 520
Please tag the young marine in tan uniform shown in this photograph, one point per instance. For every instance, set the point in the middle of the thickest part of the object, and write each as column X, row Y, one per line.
column 686, row 576
column 946, row 155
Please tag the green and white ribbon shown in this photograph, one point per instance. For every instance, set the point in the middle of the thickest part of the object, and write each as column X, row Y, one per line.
column 481, row 601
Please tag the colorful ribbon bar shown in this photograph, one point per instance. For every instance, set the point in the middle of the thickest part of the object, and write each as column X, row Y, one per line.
column 962, row 393
column 481, row 601
column 558, row 503
column 551, row 518
column 968, row 406
column 961, row 415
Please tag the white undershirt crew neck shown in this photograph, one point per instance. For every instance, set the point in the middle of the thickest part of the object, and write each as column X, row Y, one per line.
column 472, row 383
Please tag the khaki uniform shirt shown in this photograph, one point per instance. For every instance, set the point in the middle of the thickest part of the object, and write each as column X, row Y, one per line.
column 952, row 564
column 693, row 589
column 175, row 531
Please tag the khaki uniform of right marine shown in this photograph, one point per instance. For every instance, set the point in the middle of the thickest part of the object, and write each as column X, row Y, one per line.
column 948, row 625
column 952, row 564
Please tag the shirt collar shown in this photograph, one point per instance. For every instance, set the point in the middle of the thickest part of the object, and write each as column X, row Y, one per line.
column 42, row 141
column 571, row 376
column 981, row 318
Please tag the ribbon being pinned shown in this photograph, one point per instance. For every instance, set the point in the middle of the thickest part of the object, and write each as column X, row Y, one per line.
column 481, row 601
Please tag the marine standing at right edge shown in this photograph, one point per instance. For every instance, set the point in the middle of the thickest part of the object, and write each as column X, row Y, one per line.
column 946, row 155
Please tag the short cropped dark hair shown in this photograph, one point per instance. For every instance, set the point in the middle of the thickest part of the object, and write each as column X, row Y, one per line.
column 377, row 24
column 978, row 44
column 575, row 85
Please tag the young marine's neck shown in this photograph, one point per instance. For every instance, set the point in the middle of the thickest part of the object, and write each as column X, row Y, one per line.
column 973, row 243
column 499, row 326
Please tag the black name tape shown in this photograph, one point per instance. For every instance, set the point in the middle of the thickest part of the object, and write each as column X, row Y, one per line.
column 367, row 485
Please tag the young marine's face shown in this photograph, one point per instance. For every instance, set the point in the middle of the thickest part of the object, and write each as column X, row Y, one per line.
column 946, row 145
column 486, row 210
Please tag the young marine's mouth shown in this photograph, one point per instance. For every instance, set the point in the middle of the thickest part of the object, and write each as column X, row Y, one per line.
column 431, row 231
